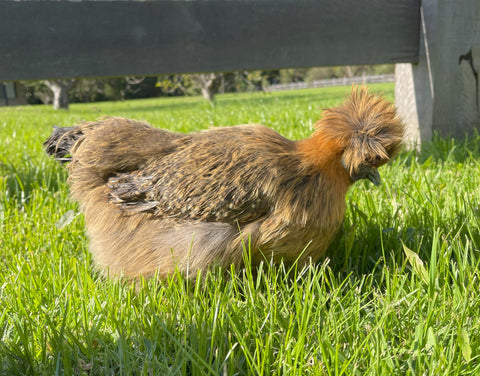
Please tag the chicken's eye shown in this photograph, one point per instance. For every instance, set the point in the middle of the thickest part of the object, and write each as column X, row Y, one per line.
column 374, row 161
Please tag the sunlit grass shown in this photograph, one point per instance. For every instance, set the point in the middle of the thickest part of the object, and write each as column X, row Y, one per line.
column 399, row 293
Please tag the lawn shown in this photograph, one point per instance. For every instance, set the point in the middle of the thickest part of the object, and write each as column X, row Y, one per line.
column 399, row 293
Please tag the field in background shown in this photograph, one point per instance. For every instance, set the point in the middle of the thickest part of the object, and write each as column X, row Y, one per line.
column 399, row 293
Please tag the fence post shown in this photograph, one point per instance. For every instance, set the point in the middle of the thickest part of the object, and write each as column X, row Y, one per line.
column 441, row 92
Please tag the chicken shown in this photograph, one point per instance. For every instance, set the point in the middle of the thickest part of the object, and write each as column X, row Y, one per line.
column 155, row 200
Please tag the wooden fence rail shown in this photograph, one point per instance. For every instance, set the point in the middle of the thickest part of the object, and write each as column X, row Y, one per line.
column 65, row 39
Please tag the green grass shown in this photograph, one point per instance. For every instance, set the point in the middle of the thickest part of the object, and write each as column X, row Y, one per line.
column 399, row 293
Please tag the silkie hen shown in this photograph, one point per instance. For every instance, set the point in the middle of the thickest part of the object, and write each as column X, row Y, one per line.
column 155, row 200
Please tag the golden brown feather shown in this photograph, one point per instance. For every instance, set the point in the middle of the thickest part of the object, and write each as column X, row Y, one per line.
column 155, row 200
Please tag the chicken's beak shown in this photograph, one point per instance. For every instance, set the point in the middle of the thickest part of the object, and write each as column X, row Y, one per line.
column 374, row 176
column 367, row 172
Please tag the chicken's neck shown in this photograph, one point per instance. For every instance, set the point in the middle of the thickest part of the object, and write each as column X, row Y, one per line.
column 321, row 154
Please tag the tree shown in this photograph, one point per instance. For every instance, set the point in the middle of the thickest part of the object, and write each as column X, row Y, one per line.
column 208, row 84
column 292, row 75
column 60, row 90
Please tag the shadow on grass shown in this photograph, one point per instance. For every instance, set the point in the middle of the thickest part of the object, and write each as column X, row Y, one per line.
column 443, row 149
column 363, row 244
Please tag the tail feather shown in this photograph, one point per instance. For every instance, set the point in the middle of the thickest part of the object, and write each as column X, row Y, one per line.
column 104, row 148
column 61, row 141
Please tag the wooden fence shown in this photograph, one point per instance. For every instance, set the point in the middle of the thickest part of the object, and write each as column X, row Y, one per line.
column 341, row 81
column 65, row 39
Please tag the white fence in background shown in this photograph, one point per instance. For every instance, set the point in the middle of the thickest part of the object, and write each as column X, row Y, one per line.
column 343, row 81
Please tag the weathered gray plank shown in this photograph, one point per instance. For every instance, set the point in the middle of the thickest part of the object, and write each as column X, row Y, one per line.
column 51, row 39
column 414, row 93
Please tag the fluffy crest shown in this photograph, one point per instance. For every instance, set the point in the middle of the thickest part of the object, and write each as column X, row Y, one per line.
column 365, row 126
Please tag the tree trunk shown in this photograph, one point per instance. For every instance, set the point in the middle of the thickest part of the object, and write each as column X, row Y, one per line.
column 60, row 89
column 208, row 93
column 349, row 71
column 208, row 83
